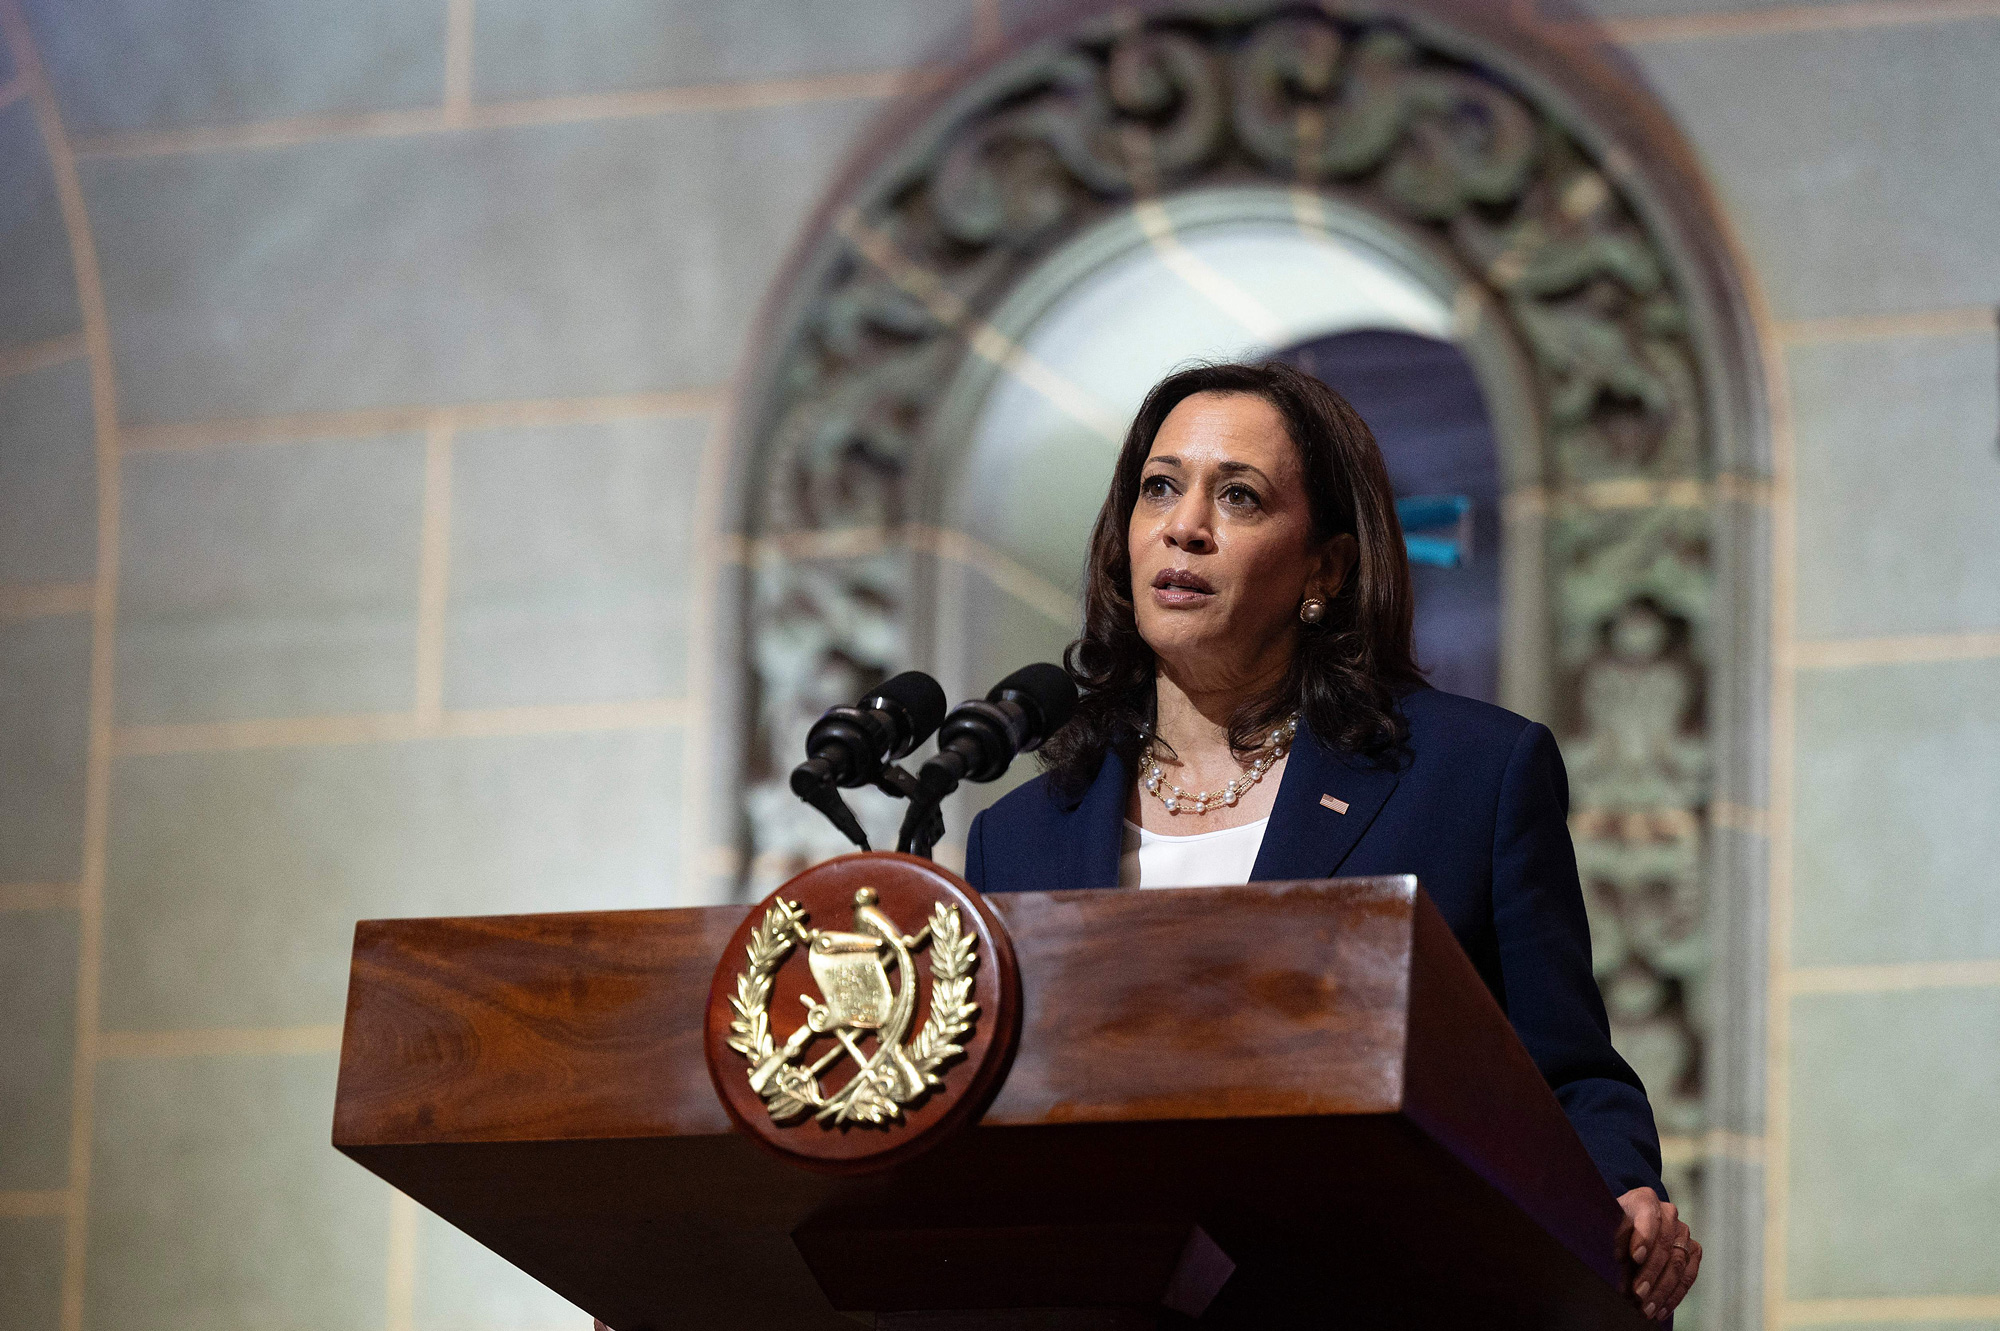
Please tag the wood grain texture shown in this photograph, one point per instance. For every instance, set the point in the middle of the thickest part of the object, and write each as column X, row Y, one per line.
column 530, row 1027
column 1222, row 1002
column 1311, row 1073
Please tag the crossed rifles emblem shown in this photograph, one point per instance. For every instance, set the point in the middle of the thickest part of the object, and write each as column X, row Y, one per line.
column 857, row 1003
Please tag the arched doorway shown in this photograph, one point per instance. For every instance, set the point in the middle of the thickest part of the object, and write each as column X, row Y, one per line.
column 893, row 507
column 1421, row 397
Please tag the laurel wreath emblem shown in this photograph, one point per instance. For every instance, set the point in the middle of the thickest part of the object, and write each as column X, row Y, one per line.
column 876, row 1094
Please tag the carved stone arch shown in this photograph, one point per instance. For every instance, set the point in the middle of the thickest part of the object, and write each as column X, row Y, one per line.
column 1586, row 234
column 1500, row 361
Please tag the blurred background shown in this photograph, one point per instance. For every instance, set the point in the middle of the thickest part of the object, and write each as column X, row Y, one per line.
column 405, row 510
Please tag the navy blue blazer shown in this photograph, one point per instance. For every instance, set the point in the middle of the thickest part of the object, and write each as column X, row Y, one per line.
column 1478, row 811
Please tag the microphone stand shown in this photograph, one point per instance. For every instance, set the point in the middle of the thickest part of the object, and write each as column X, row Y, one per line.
column 900, row 783
column 923, row 822
column 854, row 746
column 825, row 796
column 923, row 826
column 896, row 782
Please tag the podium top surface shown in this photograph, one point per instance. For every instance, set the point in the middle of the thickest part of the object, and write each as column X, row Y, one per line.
column 486, row 1059
column 1262, row 1000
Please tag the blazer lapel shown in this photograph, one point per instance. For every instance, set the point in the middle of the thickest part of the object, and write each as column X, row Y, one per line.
column 1309, row 835
column 1096, row 830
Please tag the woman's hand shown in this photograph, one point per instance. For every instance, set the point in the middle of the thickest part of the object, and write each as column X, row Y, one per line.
column 1660, row 1255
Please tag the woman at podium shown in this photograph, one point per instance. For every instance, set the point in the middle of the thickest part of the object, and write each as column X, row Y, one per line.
column 1252, row 710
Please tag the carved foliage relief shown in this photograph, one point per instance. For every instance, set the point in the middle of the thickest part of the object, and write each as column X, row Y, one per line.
column 1072, row 131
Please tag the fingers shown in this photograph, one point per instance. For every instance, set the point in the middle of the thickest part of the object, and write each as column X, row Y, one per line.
column 1658, row 1302
column 1645, row 1221
column 1694, row 1269
column 1671, row 1299
column 1664, row 1226
column 1678, row 1277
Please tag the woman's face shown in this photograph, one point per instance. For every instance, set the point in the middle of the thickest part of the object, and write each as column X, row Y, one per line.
column 1222, row 543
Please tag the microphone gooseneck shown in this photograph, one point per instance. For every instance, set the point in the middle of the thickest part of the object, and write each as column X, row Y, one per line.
column 980, row 739
column 858, row 745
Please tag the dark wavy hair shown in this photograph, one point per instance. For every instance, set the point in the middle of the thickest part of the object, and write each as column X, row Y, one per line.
column 1349, row 669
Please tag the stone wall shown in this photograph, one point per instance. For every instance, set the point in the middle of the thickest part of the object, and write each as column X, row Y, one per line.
column 362, row 455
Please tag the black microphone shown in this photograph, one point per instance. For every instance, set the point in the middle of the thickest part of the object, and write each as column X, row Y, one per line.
column 853, row 746
column 849, row 745
column 979, row 739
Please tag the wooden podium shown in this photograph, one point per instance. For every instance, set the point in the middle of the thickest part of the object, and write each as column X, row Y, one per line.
column 1298, row 1094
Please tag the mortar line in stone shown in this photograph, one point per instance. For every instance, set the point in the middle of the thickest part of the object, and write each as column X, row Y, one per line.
column 104, row 608
column 1911, row 649
column 45, row 600
column 39, row 896
column 1955, row 322
column 1647, row 29
column 306, row 732
column 1890, row 1308
column 721, row 861
column 698, row 799
column 27, row 357
column 1747, row 1147
column 433, row 576
column 1716, row 1143
column 1002, row 570
column 370, row 422
column 1782, row 776
column 1739, row 817
column 51, row 1204
column 1894, row 977
column 458, row 21
column 748, row 95
column 219, row 1042
column 778, row 864
column 1631, row 493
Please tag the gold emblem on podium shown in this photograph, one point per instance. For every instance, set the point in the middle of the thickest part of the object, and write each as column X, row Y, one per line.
column 867, row 1014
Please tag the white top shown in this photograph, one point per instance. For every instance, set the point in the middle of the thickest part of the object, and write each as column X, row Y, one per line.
column 1206, row 859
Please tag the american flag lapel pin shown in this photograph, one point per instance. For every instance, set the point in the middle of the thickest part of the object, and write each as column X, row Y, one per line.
column 1329, row 802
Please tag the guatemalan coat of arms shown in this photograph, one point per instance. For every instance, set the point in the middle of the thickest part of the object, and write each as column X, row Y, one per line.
column 861, row 1011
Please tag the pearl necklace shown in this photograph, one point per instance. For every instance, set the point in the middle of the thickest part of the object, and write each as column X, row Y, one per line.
column 1276, row 746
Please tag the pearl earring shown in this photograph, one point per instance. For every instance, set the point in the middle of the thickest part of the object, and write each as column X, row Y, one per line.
column 1312, row 610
